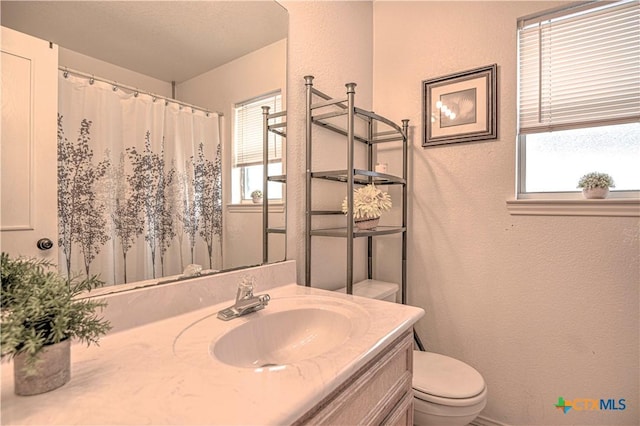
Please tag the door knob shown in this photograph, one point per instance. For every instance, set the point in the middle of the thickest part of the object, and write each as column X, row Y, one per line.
column 44, row 244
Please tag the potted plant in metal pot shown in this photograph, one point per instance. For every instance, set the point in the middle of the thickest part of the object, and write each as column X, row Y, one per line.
column 42, row 311
column 368, row 204
column 596, row 185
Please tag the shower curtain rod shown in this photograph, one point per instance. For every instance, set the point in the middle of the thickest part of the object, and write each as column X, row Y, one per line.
column 134, row 90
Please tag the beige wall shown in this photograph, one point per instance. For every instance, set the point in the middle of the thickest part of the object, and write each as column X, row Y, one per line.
column 542, row 306
column 333, row 41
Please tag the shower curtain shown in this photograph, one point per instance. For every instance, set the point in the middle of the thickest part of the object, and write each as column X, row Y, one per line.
column 139, row 183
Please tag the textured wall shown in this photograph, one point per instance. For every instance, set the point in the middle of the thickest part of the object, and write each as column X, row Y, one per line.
column 542, row 306
column 332, row 41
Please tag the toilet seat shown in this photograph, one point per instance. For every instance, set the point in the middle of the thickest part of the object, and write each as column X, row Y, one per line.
column 446, row 381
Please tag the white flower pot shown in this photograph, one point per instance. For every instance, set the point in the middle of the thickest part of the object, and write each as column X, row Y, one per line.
column 257, row 200
column 365, row 224
column 595, row 193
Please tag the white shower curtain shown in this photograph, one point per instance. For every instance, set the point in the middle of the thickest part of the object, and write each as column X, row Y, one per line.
column 139, row 183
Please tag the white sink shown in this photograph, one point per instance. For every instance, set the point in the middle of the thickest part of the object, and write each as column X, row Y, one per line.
column 288, row 331
column 282, row 338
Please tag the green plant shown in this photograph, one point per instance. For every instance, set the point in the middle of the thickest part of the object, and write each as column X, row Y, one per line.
column 41, row 307
column 368, row 202
column 256, row 194
column 596, row 180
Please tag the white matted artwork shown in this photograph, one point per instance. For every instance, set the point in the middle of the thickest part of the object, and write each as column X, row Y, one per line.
column 460, row 107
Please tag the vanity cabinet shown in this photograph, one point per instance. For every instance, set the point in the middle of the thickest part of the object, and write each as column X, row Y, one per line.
column 378, row 393
column 369, row 130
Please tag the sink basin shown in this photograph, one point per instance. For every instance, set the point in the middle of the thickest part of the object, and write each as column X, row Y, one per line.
column 282, row 338
column 288, row 331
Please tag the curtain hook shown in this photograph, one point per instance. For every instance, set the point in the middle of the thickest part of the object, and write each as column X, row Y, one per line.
column 66, row 72
column 92, row 80
column 135, row 94
column 115, row 88
column 154, row 98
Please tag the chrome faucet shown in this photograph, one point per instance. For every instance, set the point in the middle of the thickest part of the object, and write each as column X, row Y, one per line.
column 246, row 302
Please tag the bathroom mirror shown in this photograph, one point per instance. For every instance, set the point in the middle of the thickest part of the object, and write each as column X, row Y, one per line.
column 175, row 49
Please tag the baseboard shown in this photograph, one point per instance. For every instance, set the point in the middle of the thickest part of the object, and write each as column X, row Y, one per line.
column 485, row 421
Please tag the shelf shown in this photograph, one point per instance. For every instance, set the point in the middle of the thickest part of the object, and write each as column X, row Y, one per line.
column 394, row 135
column 338, row 115
column 318, row 121
column 278, row 178
column 361, row 177
column 279, row 132
column 342, row 232
column 325, row 212
column 277, row 230
column 277, row 114
column 397, row 130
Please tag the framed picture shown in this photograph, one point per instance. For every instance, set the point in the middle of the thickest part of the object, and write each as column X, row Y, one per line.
column 460, row 107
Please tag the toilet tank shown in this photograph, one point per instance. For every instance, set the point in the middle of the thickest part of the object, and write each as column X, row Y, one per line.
column 374, row 289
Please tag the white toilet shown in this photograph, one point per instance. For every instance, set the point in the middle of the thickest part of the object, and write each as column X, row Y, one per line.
column 447, row 392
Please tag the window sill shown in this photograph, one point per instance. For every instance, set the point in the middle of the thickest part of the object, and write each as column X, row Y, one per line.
column 607, row 207
column 274, row 207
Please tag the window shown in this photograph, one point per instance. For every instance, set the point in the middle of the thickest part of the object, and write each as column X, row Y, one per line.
column 248, row 155
column 579, row 98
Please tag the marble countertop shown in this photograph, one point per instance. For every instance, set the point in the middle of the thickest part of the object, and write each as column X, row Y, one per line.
column 136, row 376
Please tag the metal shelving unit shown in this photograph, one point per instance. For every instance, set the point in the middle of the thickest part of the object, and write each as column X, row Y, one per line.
column 323, row 110
column 271, row 123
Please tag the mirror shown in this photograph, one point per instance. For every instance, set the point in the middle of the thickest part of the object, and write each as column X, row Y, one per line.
column 202, row 53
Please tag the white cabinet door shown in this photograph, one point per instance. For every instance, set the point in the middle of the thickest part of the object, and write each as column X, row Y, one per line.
column 28, row 209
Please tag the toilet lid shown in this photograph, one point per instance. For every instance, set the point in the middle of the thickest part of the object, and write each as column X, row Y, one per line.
column 446, row 377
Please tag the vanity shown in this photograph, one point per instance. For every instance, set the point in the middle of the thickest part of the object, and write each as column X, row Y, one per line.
column 310, row 357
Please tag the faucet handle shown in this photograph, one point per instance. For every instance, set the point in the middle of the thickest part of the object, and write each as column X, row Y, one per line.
column 245, row 288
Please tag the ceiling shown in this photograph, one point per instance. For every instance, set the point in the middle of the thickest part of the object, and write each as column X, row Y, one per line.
column 168, row 40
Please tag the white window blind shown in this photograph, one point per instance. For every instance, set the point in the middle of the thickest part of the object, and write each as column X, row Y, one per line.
column 248, row 138
column 580, row 67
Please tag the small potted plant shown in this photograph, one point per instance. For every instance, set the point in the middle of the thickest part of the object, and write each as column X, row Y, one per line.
column 368, row 204
column 257, row 196
column 596, row 185
column 41, row 313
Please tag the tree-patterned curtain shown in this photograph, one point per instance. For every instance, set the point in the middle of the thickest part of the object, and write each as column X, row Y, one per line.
column 139, row 184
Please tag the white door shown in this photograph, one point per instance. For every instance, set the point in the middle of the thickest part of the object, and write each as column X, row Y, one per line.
column 28, row 209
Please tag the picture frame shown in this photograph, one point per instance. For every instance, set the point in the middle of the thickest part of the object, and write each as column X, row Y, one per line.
column 460, row 107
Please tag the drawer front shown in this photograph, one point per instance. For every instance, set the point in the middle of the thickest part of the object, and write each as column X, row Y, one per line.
column 373, row 393
column 402, row 415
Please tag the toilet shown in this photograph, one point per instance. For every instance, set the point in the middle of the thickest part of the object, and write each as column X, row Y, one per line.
column 447, row 392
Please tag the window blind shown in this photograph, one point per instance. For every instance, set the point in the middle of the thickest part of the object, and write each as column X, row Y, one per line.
column 580, row 67
column 248, row 142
